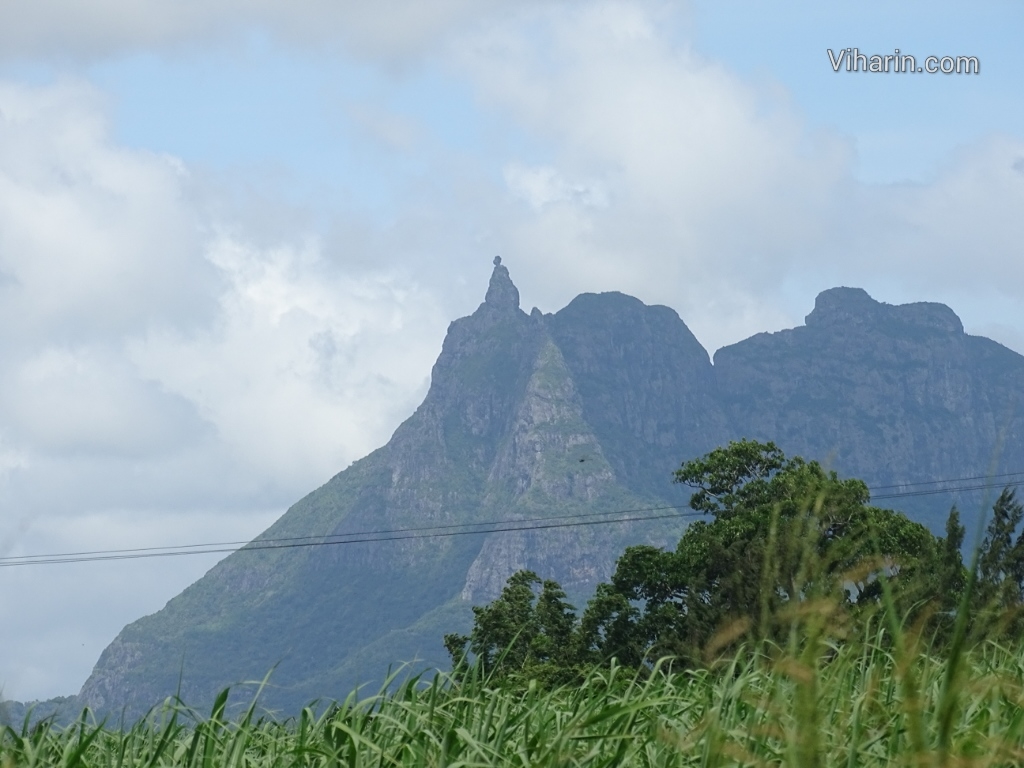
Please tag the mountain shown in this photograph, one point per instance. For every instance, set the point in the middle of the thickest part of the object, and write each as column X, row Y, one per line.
column 580, row 412
column 62, row 709
column 890, row 394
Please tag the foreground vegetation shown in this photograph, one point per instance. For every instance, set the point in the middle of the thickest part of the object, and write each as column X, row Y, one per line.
column 861, row 705
column 801, row 627
column 784, row 537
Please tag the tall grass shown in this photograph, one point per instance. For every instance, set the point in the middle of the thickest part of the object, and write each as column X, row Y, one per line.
column 848, row 706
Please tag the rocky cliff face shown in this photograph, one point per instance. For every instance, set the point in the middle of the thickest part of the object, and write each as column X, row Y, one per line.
column 890, row 394
column 646, row 384
column 582, row 412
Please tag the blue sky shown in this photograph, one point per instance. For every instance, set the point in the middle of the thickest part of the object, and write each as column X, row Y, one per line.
column 232, row 234
column 904, row 127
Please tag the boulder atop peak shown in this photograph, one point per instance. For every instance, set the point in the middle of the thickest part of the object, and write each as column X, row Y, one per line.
column 501, row 292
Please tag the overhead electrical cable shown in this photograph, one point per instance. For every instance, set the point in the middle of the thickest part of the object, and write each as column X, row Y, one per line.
column 322, row 537
column 952, row 480
column 257, row 545
column 957, row 489
column 457, row 529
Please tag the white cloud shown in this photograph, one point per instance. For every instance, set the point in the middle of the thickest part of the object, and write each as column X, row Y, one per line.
column 716, row 195
column 540, row 186
column 130, row 329
column 709, row 189
column 96, row 243
column 94, row 239
column 157, row 378
column 85, row 400
column 306, row 369
column 390, row 28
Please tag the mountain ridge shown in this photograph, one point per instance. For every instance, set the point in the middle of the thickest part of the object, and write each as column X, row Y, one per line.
column 585, row 410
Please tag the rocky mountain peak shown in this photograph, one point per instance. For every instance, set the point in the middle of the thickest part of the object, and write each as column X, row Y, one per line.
column 853, row 306
column 842, row 306
column 502, row 293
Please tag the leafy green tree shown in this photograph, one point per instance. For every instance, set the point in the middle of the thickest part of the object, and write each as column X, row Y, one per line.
column 522, row 633
column 784, row 532
column 788, row 545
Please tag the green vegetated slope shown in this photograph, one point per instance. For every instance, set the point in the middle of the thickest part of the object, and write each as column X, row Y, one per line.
column 584, row 411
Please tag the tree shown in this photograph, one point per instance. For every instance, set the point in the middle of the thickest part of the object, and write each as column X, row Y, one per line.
column 999, row 587
column 951, row 574
column 784, row 531
column 522, row 633
column 787, row 543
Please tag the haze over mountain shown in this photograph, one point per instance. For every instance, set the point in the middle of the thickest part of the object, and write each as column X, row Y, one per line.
column 583, row 411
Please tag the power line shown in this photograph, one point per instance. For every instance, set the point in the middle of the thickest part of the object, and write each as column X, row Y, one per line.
column 261, row 546
column 324, row 537
column 934, row 491
column 952, row 480
column 438, row 531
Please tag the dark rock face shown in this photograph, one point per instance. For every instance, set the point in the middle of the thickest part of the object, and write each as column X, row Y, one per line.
column 646, row 382
column 502, row 294
column 844, row 307
column 577, row 413
column 885, row 393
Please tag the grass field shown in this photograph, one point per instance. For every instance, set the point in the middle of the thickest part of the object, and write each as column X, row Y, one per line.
column 861, row 704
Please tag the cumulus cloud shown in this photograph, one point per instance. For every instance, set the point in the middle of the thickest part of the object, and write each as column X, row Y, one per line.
column 94, row 238
column 163, row 378
column 133, row 325
column 388, row 28
column 96, row 242
column 671, row 178
column 307, row 368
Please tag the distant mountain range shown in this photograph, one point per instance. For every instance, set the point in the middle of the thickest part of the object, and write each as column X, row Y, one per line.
column 565, row 415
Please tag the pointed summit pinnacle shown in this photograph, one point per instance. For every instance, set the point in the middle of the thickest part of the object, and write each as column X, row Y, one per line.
column 501, row 293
